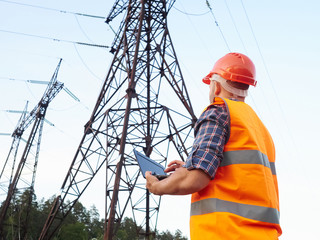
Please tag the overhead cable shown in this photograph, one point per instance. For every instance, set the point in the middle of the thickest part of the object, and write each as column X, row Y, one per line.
column 260, row 53
column 53, row 9
column 86, row 66
column 203, row 44
column 55, row 39
column 81, row 29
column 214, row 17
column 60, row 11
column 268, row 75
column 191, row 14
column 235, row 26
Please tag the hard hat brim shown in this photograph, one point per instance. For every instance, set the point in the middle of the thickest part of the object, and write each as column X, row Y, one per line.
column 207, row 78
column 240, row 79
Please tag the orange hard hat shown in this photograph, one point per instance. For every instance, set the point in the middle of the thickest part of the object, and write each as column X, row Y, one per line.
column 235, row 67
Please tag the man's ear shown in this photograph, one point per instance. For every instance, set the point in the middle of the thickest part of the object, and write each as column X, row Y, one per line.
column 217, row 88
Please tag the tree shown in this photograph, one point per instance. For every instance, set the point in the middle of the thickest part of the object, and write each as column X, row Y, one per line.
column 128, row 230
column 73, row 231
column 80, row 224
column 178, row 235
column 95, row 226
column 167, row 235
column 21, row 213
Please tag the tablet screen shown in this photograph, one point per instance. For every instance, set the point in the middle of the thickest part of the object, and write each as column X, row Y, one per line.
column 147, row 164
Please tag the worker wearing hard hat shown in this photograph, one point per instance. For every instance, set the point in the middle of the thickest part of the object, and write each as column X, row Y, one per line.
column 230, row 171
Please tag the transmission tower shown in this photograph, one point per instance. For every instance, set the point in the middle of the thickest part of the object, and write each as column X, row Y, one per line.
column 28, row 164
column 143, row 105
column 7, row 171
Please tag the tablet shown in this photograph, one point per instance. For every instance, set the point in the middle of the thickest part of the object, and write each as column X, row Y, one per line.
column 147, row 164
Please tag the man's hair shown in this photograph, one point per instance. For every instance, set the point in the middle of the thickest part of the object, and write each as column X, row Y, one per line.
column 238, row 85
column 235, row 88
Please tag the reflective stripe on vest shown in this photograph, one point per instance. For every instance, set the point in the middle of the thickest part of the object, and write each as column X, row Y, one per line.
column 211, row 205
column 247, row 157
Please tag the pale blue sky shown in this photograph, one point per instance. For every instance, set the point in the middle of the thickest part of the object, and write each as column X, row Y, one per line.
column 281, row 37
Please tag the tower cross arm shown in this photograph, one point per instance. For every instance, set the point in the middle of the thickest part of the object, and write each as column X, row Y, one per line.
column 118, row 7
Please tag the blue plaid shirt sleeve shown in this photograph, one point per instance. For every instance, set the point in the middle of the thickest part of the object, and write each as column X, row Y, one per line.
column 211, row 134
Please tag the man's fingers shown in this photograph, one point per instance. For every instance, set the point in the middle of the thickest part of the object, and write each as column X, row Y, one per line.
column 150, row 177
column 171, row 168
column 173, row 163
column 151, row 180
column 177, row 162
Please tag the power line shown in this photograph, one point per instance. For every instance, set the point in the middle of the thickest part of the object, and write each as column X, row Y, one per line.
column 260, row 53
column 268, row 75
column 215, row 20
column 191, row 14
column 81, row 29
column 54, row 9
column 203, row 44
column 61, row 11
column 55, row 39
column 235, row 25
column 86, row 65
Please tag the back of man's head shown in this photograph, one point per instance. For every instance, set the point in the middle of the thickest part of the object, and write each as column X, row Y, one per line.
column 234, row 89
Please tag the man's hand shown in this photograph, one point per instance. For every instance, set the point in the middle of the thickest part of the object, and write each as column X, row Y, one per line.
column 151, row 183
column 180, row 182
column 172, row 166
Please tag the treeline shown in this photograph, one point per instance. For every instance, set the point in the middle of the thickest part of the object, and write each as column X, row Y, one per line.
column 80, row 224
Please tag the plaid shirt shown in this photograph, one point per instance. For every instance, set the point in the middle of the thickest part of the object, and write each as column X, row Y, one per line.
column 211, row 132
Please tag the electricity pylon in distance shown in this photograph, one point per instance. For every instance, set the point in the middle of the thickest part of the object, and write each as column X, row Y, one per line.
column 143, row 105
column 29, row 159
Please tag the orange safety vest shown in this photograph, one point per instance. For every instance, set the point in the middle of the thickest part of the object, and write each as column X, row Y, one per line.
column 242, row 201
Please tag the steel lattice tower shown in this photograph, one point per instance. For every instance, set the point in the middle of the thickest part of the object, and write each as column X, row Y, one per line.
column 143, row 105
column 11, row 175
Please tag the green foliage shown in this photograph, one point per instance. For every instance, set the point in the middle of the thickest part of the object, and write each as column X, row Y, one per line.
column 80, row 224
column 73, row 231
column 128, row 230
column 166, row 235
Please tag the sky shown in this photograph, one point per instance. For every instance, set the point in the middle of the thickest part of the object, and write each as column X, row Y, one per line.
column 281, row 37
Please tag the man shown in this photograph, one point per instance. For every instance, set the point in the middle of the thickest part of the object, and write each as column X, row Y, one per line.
column 230, row 171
